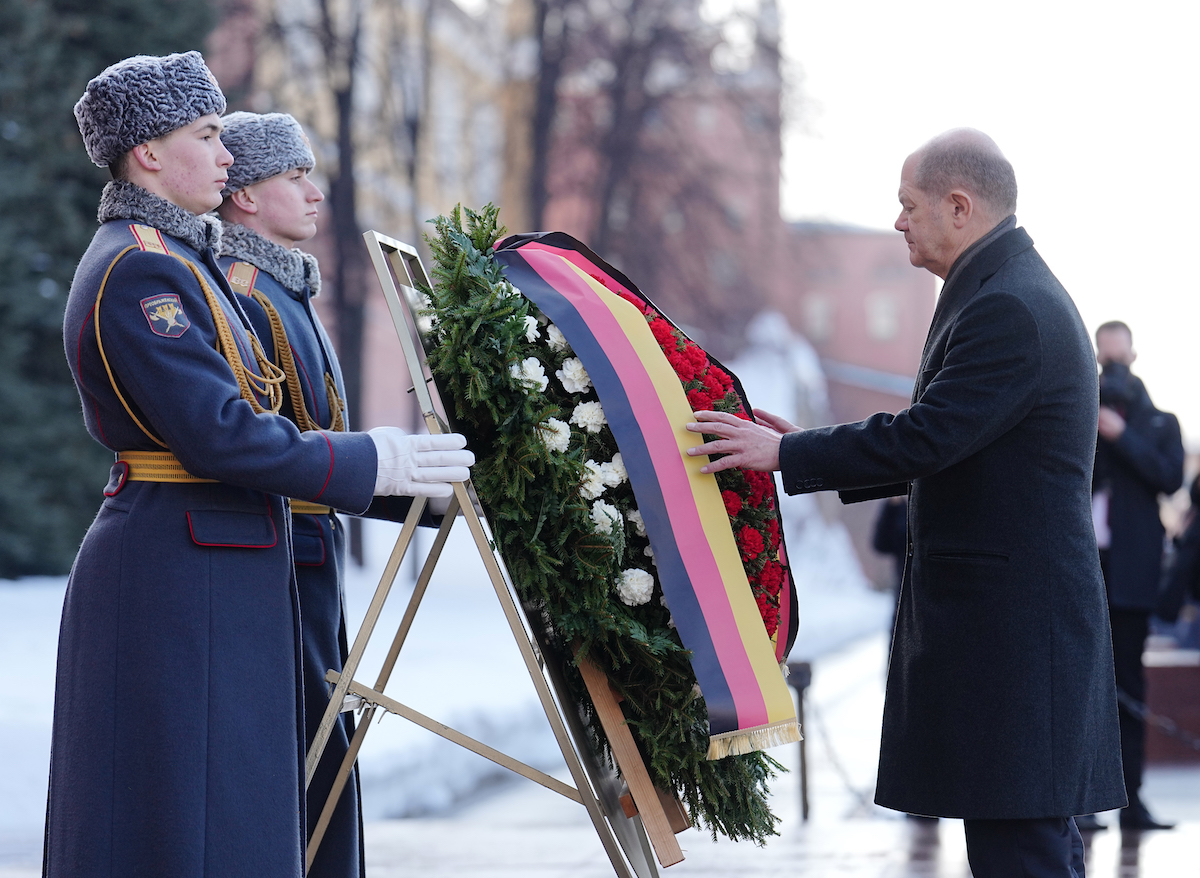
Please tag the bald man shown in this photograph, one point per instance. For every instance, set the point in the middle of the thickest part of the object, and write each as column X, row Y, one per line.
column 1001, row 707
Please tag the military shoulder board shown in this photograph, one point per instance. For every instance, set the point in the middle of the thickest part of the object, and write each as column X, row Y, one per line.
column 241, row 276
column 149, row 239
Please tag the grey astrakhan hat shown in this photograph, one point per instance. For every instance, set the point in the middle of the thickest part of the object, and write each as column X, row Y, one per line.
column 263, row 145
column 142, row 98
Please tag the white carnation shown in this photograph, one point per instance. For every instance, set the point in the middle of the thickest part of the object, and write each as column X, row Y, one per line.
column 649, row 553
column 531, row 373
column 507, row 290
column 588, row 416
column 604, row 516
column 635, row 587
column 555, row 338
column 573, row 376
column 532, row 333
column 635, row 517
column 614, row 472
column 593, row 481
column 555, row 434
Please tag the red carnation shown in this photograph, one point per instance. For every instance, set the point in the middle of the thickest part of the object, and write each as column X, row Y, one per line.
column 733, row 503
column 751, row 543
column 773, row 529
column 713, row 386
column 771, row 576
column 682, row 366
column 664, row 334
column 760, row 486
column 696, row 355
column 699, row 400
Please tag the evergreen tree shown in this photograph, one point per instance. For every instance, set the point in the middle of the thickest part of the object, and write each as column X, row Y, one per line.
column 51, row 472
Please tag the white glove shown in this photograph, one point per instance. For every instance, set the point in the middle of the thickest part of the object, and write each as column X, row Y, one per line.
column 419, row 465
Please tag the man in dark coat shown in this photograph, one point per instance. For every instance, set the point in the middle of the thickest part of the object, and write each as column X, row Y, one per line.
column 1001, row 707
column 1139, row 456
column 178, row 730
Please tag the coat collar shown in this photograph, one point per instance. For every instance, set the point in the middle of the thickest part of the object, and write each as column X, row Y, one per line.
column 124, row 200
column 296, row 271
column 966, row 278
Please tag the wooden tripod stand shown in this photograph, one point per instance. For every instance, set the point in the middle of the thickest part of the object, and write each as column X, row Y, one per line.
column 635, row 827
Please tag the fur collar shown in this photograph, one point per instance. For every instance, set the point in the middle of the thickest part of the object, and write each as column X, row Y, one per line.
column 124, row 200
column 294, row 269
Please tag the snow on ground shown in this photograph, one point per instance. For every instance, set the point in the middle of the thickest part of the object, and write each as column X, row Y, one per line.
column 460, row 665
column 29, row 614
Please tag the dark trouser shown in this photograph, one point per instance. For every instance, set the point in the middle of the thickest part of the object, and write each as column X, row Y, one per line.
column 1049, row 847
column 1129, row 630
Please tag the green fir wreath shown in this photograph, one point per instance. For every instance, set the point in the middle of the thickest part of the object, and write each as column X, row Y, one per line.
column 550, row 478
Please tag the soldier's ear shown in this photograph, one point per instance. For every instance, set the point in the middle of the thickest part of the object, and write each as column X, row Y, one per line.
column 145, row 156
column 243, row 199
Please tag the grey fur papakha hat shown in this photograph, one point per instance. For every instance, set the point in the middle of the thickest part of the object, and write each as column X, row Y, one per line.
column 263, row 145
column 144, row 97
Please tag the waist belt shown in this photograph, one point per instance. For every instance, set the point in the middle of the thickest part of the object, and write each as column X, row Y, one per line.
column 163, row 466
column 156, row 466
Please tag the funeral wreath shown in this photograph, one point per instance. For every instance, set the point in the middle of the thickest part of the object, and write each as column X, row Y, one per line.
column 551, row 479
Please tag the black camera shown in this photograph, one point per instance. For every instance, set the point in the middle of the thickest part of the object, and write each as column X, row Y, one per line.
column 1116, row 386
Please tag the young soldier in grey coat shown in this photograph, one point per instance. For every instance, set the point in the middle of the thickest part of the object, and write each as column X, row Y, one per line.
column 270, row 206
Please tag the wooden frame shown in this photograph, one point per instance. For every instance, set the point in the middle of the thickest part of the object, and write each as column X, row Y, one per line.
column 635, row 826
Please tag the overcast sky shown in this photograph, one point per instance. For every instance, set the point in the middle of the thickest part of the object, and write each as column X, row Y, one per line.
column 1095, row 105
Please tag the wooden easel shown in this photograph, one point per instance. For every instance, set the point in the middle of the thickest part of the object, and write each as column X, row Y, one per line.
column 635, row 826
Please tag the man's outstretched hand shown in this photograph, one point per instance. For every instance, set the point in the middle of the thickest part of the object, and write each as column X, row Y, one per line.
column 749, row 444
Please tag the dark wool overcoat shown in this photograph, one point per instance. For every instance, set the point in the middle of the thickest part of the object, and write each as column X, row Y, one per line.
column 320, row 553
column 1000, row 698
column 178, row 745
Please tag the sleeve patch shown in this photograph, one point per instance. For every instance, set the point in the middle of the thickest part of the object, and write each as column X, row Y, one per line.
column 165, row 315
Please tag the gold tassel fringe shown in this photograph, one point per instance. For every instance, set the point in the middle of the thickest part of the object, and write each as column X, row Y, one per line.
column 759, row 738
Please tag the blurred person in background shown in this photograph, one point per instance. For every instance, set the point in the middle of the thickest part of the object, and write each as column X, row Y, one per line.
column 1139, row 458
column 1181, row 578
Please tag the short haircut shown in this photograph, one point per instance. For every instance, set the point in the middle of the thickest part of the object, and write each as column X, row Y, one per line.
column 970, row 163
column 119, row 167
column 1113, row 326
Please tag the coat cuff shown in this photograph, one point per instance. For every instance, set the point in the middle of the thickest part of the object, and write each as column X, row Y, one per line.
column 353, row 467
column 793, row 457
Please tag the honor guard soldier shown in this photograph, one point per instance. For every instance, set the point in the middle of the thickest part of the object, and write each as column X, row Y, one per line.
column 270, row 206
column 178, row 742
